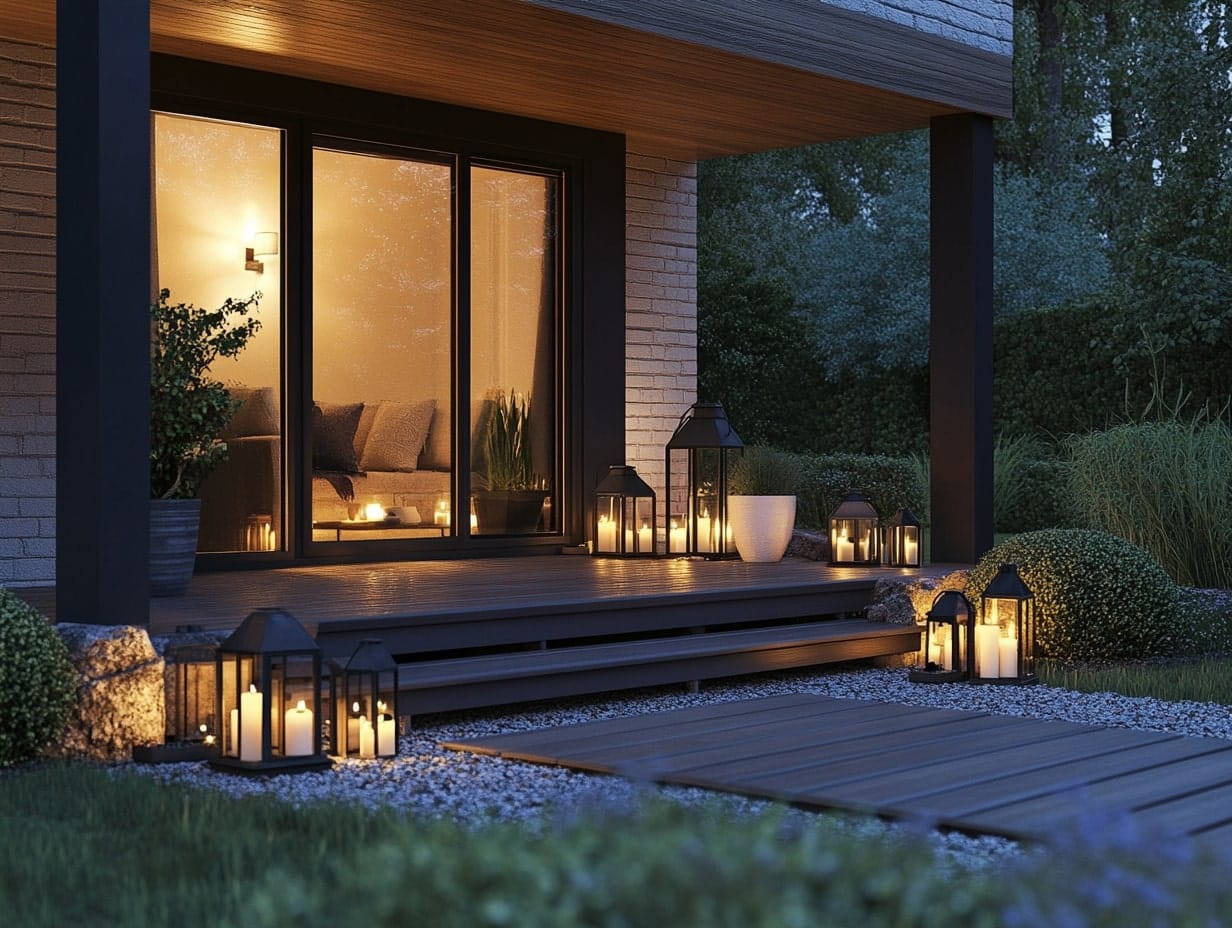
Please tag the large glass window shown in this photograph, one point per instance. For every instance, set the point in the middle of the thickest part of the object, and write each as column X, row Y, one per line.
column 514, row 295
column 382, row 311
column 425, row 289
column 217, row 214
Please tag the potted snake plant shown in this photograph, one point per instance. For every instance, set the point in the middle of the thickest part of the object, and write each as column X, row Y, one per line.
column 509, row 495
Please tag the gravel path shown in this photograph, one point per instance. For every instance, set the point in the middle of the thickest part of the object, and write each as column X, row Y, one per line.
column 468, row 788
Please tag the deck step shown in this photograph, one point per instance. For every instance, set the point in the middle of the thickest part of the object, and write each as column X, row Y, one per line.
column 468, row 682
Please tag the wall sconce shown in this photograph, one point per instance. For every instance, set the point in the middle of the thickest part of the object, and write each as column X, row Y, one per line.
column 264, row 245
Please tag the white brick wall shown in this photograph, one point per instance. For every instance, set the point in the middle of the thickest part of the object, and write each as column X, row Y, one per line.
column 986, row 24
column 660, row 306
column 27, row 314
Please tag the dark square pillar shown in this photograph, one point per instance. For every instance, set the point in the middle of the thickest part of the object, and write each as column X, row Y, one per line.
column 102, row 314
column 960, row 358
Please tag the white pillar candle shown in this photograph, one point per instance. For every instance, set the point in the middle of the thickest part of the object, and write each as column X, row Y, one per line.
column 441, row 515
column 645, row 539
column 943, row 648
column 676, row 538
column 1008, row 659
column 987, row 651
column 909, row 550
column 299, row 730
column 387, row 736
column 844, row 549
column 246, row 741
column 607, row 535
column 367, row 746
column 704, row 537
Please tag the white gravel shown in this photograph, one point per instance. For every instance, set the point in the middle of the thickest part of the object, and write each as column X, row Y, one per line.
column 428, row 780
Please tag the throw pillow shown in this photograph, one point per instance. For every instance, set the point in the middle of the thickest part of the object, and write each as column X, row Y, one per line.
column 333, row 436
column 438, row 454
column 397, row 436
column 257, row 415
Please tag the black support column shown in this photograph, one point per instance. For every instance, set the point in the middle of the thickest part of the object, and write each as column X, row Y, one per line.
column 102, row 316
column 961, row 341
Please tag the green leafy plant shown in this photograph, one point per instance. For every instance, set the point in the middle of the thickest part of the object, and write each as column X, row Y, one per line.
column 764, row 471
column 38, row 685
column 507, row 448
column 189, row 408
column 1097, row 597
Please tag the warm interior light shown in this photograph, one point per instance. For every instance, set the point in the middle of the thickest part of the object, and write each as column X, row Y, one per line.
column 374, row 512
column 264, row 245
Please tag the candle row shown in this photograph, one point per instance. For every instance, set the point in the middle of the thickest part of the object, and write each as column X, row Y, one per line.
column 246, row 740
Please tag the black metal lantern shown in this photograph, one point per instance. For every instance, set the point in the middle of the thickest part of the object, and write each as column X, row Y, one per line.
column 854, row 537
column 625, row 514
column 946, row 651
column 697, row 523
column 364, row 694
column 902, row 540
column 191, row 718
column 1005, row 635
column 189, row 691
column 269, row 697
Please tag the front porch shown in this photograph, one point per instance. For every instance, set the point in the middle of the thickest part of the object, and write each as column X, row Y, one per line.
column 487, row 632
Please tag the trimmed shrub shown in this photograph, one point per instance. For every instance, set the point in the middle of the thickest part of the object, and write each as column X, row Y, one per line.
column 38, row 684
column 1097, row 597
column 891, row 483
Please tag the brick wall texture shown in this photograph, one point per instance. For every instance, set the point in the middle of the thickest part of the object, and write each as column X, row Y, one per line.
column 986, row 24
column 660, row 306
column 27, row 314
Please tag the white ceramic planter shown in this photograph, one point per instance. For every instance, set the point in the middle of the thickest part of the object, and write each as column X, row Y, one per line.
column 761, row 526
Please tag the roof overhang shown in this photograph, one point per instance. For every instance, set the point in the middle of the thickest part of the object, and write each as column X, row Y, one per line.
column 678, row 78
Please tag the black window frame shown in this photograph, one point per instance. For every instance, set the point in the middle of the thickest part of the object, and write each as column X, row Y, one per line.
column 590, row 373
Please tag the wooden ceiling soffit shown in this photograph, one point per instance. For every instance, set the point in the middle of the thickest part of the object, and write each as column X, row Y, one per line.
column 669, row 95
column 811, row 36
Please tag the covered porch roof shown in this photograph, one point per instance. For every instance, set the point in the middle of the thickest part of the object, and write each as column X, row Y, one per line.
column 678, row 78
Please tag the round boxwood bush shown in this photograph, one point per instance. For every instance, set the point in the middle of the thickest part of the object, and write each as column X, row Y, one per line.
column 1097, row 596
column 38, row 684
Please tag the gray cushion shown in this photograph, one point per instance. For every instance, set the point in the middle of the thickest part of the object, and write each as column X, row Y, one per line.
column 333, row 436
column 397, row 436
column 257, row 415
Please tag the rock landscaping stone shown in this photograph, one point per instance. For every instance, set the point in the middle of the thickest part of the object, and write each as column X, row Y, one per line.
column 120, row 702
column 812, row 546
column 905, row 600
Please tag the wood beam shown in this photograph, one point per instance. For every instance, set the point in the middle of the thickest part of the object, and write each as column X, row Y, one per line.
column 102, row 299
column 960, row 359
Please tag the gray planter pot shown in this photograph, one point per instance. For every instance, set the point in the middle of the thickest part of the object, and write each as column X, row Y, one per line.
column 173, row 544
column 509, row 512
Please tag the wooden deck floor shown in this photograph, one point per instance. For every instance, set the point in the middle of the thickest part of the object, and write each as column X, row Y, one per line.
column 1015, row 777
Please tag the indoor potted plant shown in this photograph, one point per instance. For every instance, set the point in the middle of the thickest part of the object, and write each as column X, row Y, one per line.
column 188, row 411
column 761, row 504
column 509, row 495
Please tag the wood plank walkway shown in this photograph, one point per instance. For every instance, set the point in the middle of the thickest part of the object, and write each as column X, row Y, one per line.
column 1019, row 778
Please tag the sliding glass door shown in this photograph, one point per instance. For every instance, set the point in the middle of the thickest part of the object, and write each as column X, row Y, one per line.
column 387, row 309
column 382, row 359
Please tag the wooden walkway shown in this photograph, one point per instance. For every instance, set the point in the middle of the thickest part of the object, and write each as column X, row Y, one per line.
column 1015, row 777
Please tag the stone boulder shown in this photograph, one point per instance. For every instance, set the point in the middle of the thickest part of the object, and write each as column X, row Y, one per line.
column 120, row 701
column 905, row 600
column 812, row 546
